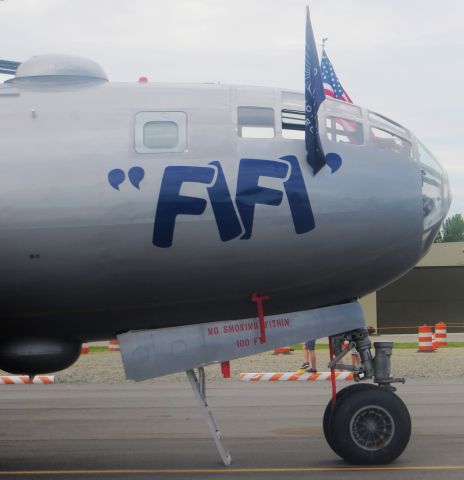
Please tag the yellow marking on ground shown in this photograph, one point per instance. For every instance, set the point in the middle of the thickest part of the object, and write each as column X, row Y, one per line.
column 231, row 470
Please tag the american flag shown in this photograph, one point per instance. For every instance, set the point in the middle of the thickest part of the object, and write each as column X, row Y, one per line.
column 332, row 86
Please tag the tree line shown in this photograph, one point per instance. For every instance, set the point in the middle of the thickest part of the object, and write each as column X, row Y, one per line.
column 452, row 230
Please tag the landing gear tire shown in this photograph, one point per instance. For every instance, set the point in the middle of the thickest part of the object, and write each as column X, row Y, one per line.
column 369, row 426
column 326, row 421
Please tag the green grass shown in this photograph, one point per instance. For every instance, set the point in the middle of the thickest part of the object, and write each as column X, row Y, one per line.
column 398, row 345
column 98, row 349
column 415, row 345
column 319, row 346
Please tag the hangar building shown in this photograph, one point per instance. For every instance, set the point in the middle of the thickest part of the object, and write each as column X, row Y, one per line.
column 432, row 291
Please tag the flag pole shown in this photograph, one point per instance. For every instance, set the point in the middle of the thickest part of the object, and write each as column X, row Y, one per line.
column 324, row 40
column 314, row 96
column 322, row 44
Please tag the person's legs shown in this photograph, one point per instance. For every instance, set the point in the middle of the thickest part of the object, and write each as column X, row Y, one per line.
column 311, row 346
column 313, row 359
column 306, row 356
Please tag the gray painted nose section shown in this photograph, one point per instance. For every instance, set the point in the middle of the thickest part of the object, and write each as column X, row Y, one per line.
column 436, row 196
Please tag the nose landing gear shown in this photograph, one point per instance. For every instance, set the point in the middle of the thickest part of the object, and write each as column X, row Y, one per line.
column 367, row 424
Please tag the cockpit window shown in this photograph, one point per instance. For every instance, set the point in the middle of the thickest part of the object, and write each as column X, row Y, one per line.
column 344, row 131
column 432, row 197
column 427, row 158
column 391, row 142
column 390, row 125
column 293, row 124
column 334, row 107
column 255, row 122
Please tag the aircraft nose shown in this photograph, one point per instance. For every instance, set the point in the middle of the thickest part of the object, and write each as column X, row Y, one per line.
column 436, row 195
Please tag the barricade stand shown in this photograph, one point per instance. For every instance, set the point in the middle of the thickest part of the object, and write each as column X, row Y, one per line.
column 441, row 339
column 425, row 339
column 198, row 385
column 294, row 376
column 113, row 346
column 24, row 379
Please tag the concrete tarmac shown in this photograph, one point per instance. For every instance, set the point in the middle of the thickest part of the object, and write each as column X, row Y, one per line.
column 273, row 431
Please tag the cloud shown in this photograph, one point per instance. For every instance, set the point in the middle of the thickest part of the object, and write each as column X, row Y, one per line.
column 403, row 59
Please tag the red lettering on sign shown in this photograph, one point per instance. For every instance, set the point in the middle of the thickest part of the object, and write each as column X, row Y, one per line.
column 277, row 323
column 241, row 343
column 248, row 326
column 213, row 331
column 237, row 327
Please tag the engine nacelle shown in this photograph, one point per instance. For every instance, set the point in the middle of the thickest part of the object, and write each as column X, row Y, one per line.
column 32, row 356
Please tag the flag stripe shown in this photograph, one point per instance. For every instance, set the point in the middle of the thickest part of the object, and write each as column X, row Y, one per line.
column 331, row 82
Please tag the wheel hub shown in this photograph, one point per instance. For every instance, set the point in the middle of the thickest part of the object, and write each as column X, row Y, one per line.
column 372, row 428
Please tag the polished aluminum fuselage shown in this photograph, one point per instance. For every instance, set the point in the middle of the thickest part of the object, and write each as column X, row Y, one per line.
column 77, row 257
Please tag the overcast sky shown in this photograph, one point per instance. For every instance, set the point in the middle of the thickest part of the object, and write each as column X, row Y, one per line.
column 402, row 58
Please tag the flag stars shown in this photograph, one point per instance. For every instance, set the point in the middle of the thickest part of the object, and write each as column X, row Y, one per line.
column 330, row 78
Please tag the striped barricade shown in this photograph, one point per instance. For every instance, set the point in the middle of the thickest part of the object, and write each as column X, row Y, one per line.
column 441, row 335
column 294, row 377
column 24, row 380
column 425, row 339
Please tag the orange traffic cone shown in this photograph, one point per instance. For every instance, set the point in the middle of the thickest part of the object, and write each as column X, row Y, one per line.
column 85, row 349
column 425, row 339
column 113, row 346
column 441, row 334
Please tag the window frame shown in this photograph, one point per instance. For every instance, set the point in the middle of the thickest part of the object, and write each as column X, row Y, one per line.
column 434, row 165
column 177, row 117
column 384, row 123
column 339, row 108
column 264, row 128
column 393, row 134
column 292, row 121
column 334, row 131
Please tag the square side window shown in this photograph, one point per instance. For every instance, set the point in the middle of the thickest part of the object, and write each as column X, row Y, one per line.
column 257, row 132
column 293, row 124
column 255, row 122
column 160, row 132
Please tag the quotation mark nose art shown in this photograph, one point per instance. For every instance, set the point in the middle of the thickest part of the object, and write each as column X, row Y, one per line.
column 234, row 215
column 117, row 176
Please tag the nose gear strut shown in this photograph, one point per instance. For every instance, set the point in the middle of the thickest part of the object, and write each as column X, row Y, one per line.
column 377, row 367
